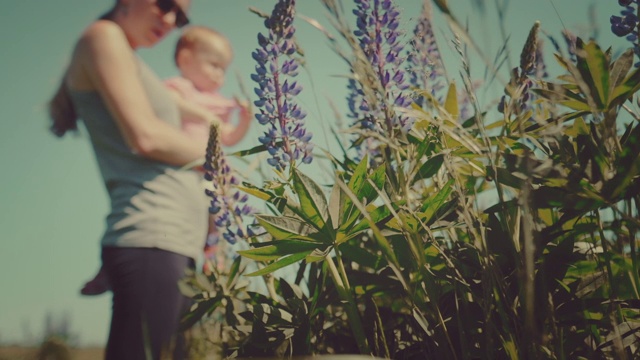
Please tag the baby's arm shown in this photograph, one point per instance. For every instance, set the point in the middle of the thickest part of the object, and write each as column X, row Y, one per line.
column 191, row 110
column 230, row 135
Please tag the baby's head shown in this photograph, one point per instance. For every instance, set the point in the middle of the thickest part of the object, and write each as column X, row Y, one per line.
column 203, row 55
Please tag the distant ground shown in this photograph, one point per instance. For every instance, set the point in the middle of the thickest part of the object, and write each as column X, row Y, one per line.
column 22, row 353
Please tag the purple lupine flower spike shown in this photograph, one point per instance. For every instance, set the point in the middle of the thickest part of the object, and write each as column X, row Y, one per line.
column 228, row 205
column 379, row 37
column 627, row 25
column 286, row 139
column 424, row 63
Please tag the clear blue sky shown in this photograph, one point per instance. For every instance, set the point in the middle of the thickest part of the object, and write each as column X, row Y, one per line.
column 52, row 202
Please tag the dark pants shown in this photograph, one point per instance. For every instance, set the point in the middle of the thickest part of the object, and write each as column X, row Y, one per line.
column 147, row 304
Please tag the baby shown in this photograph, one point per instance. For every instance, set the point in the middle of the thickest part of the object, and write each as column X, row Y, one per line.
column 202, row 56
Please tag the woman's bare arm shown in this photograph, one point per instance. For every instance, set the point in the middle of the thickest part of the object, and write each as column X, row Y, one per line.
column 108, row 61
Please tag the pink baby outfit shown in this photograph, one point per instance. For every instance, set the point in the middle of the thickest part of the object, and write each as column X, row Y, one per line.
column 214, row 101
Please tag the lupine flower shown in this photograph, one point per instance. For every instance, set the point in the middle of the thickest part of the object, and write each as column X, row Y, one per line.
column 228, row 204
column 530, row 65
column 286, row 139
column 627, row 24
column 380, row 40
column 425, row 66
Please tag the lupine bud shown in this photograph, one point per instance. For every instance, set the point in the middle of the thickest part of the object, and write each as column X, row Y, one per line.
column 224, row 197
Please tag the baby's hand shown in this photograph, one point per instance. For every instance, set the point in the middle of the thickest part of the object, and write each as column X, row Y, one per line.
column 245, row 114
column 242, row 103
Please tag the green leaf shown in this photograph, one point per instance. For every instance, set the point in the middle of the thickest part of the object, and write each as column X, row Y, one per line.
column 318, row 254
column 451, row 103
column 575, row 105
column 430, row 167
column 336, row 202
column 283, row 262
column 598, row 67
column 255, row 191
column 285, row 227
column 368, row 192
column 359, row 176
column 361, row 256
column 620, row 69
column 624, row 91
column 379, row 214
column 276, row 249
column 313, row 203
column 431, row 206
column 253, row 150
column 234, row 271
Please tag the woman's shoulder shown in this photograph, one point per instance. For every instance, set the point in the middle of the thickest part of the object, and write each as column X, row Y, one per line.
column 102, row 33
column 101, row 42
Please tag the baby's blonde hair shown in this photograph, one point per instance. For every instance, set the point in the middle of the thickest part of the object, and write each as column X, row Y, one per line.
column 196, row 34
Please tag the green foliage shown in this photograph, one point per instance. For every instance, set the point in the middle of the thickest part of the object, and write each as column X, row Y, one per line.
column 501, row 236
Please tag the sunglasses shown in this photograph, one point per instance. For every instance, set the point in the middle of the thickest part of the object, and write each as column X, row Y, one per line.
column 167, row 6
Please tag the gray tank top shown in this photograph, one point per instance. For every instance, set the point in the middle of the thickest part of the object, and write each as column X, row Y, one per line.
column 152, row 204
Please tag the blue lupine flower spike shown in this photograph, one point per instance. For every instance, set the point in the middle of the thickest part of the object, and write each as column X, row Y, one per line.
column 286, row 137
column 380, row 39
column 627, row 25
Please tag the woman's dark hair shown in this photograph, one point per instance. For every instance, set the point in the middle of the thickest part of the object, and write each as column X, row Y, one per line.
column 61, row 110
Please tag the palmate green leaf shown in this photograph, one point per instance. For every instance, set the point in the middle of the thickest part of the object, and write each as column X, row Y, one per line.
column 313, row 203
column 273, row 250
column 283, row 262
column 380, row 240
column 429, row 168
column 285, row 227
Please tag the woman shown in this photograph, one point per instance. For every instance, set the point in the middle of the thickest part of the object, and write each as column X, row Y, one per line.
column 158, row 218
